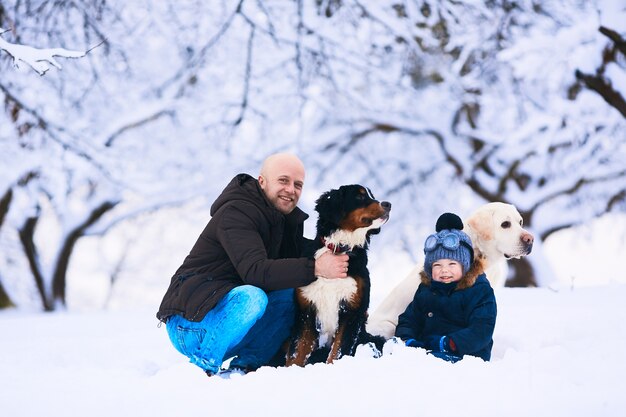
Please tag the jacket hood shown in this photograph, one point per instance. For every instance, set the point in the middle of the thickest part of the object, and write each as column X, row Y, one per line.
column 244, row 187
column 475, row 274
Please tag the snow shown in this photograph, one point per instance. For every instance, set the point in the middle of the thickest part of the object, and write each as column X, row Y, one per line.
column 39, row 60
column 554, row 347
column 555, row 353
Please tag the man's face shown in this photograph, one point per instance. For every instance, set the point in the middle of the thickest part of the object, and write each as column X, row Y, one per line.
column 282, row 183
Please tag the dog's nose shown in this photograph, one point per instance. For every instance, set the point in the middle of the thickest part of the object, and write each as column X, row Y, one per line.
column 527, row 238
column 386, row 205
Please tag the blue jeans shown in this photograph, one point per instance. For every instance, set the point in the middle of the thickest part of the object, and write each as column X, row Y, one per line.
column 247, row 323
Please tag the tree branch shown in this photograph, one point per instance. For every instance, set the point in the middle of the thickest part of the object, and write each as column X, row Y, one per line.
column 603, row 87
column 40, row 60
column 618, row 198
column 578, row 185
column 471, row 181
column 247, row 76
column 620, row 43
column 138, row 123
column 597, row 82
column 52, row 130
column 197, row 60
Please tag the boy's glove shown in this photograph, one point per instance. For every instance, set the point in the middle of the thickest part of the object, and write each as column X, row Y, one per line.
column 414, row 343
column 443, row 347
column 445, row 356
column 440, row 344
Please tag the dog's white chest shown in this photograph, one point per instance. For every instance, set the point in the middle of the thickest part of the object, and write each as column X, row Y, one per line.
column 327, row 295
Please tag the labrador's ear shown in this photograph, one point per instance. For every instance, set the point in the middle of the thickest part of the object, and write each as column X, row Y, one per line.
column 482, row 224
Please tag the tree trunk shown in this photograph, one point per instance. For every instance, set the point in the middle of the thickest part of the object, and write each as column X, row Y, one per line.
column 521, row 274
column 59, row 278
column 59, row 281
column 5, row 300
column 5, row 202
column 27, row 237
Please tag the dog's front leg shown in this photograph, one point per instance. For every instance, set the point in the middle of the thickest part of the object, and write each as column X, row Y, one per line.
column 346, row 336
column 335, row 349
column 305, row 341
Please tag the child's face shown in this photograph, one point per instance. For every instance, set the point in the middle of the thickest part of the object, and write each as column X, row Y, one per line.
column 447, row 270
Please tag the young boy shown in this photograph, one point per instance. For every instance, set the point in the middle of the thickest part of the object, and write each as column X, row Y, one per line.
column 453, row 312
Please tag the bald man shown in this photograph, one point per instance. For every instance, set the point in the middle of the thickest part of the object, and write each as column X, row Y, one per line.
column 233, row 294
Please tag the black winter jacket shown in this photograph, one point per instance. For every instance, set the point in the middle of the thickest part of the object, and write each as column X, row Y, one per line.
column 247, row 241
column 465, row 312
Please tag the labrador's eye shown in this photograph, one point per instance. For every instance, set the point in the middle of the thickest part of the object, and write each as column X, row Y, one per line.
column 506, row 224
column 521, row 222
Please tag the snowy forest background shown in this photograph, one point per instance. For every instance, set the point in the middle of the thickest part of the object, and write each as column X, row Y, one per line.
column 110, row 163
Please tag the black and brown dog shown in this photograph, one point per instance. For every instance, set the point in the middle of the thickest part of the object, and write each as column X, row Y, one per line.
column 333, row 312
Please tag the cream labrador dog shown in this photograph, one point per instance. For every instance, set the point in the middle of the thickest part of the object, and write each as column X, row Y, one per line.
column 497, row 235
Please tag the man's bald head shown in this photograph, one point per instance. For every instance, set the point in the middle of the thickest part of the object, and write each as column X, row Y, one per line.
column 279, row 161
column 282, row 179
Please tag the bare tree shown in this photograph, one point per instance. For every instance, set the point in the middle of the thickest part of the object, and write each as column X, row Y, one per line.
column 419, row 100
column 560, row 163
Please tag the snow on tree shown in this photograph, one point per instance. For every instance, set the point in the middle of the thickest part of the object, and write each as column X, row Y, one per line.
column 435, row 105
column 39, row 60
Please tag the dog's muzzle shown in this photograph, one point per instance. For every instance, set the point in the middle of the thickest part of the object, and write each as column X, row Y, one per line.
column 386, row 205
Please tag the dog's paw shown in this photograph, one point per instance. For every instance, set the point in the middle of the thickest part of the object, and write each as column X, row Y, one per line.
column 368, row 350
column 391, row 344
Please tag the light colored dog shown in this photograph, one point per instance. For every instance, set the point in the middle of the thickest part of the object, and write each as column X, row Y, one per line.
column 497, row 235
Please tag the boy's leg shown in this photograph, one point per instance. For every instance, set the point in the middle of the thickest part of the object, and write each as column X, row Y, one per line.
column 266, row 336
column 205, row 343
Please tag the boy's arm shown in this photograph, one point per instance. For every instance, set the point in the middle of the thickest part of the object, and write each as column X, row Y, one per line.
column 482, row 322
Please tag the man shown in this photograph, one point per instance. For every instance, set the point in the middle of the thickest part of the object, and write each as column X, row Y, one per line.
column 233, row 294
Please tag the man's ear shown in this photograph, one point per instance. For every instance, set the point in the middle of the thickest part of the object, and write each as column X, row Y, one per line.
column 480, row 222
column 262, row 182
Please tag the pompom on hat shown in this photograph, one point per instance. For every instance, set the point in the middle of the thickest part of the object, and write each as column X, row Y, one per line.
column 450, row 242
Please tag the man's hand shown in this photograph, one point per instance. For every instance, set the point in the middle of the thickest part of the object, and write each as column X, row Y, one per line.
column 330, row 265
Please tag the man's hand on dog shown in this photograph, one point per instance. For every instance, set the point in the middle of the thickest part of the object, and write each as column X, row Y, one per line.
column 330, row 265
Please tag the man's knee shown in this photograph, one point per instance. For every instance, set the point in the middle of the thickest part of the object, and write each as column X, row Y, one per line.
column 251, row 298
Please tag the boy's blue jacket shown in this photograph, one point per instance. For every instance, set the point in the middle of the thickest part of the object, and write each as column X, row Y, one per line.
column 465, row 311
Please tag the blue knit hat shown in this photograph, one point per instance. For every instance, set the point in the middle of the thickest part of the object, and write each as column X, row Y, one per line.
column 448, row 243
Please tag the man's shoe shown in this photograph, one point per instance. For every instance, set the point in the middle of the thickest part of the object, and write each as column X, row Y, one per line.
column 241, row 369
column 234, row 370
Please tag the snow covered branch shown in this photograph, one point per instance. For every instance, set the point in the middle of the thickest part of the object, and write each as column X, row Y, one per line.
column 620, row 43
column 599, row 82
column 40, row 60
column 134, row 124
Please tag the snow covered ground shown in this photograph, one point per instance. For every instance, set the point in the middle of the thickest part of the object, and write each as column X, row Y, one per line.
column 556, row 353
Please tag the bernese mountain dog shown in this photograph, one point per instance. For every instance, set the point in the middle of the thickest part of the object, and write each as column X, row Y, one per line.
column 332, row 312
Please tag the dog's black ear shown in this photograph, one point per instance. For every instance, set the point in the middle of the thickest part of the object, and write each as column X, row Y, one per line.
column 323, row 201
column 330, row 208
